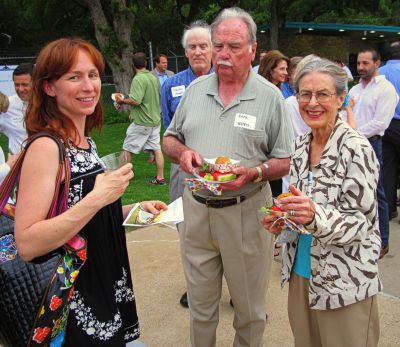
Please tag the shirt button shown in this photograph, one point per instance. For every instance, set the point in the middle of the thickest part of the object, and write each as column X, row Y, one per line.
column 293, row 244
column 313, row 302
column 314, row 272
column 314, row 243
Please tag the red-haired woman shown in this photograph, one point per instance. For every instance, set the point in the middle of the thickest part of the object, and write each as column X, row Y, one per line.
column 65, row 102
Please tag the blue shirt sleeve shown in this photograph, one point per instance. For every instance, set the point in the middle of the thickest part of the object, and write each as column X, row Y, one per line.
column 165, row 103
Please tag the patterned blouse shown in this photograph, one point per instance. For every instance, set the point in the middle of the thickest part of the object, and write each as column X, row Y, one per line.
column 346, row 238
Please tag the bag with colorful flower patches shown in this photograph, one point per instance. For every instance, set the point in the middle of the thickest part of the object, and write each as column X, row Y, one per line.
column 34, row 295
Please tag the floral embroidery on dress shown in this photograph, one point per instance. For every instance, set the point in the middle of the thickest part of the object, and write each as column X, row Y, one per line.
column 103, row 330
column 122, row 290
column 81, row 162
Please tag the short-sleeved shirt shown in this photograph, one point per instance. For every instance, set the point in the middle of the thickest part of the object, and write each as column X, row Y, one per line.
column 12, row 123
column 172, row 92
column 252, row 128
column 145, row 91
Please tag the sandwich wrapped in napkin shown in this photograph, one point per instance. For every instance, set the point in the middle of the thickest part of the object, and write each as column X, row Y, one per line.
column 290, row 230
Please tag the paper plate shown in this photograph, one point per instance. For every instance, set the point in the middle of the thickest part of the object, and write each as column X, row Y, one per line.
column 196, row 173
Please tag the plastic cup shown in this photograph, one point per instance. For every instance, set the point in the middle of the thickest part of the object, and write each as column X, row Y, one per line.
column 114, row 161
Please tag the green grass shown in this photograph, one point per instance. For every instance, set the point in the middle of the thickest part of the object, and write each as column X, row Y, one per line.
column 110, row 140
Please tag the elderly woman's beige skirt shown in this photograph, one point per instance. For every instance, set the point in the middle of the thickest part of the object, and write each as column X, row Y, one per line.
column 356, row 325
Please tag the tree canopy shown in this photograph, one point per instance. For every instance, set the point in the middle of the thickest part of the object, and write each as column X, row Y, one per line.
column 120, row 27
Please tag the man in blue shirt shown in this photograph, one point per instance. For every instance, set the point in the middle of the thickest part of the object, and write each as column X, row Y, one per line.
column 196, row 41
column 391, row 139
column 161, row 71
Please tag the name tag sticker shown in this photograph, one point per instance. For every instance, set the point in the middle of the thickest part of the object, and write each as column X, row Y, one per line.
column 177, row 91
column 246, row 121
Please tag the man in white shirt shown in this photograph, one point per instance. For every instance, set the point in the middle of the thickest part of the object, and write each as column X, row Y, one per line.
column 12, row 119
column 375, row 100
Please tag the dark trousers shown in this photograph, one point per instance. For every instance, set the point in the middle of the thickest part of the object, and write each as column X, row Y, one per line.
column 383, row 208
column 391, row 162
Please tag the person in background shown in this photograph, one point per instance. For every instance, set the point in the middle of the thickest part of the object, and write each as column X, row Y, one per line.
column 274, row 68
column 143, row 134
column 5, row 166
column 161, row 70
column 287, row 87
column 375, row 100
column 262, row 55
column 350, row 77
column 236, row 113
column 65, row 101
column 391, row 138
column 332, row 271
column 196, row 41
column 12, row 117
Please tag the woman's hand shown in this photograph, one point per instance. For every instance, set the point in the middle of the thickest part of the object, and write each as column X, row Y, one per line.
column 299, row 206
column 271, row 224
column 154, row 206
column 111, row 185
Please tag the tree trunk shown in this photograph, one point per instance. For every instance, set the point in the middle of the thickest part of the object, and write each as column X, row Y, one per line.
column 274, row 29
column 114, row 40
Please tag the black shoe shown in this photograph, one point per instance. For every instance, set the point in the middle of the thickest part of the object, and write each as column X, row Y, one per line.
column 184, row 301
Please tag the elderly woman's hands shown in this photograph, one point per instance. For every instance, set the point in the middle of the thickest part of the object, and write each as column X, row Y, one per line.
column 299, row 207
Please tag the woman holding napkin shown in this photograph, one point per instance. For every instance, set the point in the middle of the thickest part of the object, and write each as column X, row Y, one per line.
column 65, row 102
column 332, row 272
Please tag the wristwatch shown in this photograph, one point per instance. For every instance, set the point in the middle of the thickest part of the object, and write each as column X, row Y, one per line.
column 260, row 175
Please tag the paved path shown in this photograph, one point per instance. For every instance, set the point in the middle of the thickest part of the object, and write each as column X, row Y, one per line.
column 159, row 283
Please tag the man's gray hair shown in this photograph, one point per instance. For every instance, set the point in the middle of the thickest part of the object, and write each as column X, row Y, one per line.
column 196, row 26
column 236, row 12
column 324, row 66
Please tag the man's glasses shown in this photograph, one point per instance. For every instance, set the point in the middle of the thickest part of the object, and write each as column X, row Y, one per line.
column 320, row 96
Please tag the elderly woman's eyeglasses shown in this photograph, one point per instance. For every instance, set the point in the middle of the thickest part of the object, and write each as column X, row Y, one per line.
column 320, row 96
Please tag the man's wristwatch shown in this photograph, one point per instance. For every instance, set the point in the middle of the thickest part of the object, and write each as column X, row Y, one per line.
column 260, row 175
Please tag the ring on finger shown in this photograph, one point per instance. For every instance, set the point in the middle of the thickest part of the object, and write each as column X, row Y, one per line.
column 292, row 213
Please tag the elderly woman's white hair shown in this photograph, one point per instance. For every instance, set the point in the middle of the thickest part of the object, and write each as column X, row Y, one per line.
column 323, row 66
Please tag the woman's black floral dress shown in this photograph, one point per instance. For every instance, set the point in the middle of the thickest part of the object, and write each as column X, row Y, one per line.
column 103, row 309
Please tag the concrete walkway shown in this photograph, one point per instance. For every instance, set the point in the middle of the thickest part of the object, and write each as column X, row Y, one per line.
column 159, row 283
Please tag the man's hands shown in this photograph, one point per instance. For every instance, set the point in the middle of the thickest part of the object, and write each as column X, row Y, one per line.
column 245, row 175
column 190, row 159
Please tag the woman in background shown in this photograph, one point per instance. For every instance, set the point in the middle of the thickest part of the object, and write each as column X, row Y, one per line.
column 274, row 67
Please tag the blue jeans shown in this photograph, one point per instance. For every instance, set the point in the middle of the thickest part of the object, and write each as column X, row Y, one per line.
column 383, row 208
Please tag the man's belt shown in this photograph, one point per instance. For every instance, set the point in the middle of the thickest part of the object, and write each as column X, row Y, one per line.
column 220, row 203
column 374, row 138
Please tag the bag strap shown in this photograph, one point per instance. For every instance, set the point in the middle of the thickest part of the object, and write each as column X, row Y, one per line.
column 58, row 205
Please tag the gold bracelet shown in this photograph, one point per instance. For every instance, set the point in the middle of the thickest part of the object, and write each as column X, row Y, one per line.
column 260, row 175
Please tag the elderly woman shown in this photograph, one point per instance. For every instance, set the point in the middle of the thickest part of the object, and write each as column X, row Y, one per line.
column 333, row 271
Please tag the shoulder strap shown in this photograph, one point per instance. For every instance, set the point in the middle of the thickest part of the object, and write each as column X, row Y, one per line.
column 58, row 205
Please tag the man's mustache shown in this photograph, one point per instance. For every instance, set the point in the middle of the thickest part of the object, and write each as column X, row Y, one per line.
column 224, row 62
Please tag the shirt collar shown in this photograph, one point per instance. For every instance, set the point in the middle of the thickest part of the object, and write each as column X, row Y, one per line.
column 248, row 91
